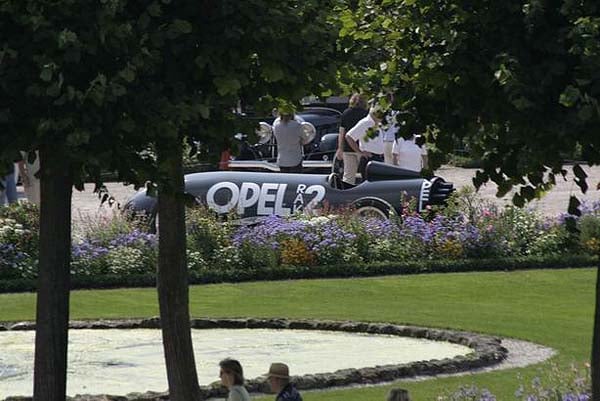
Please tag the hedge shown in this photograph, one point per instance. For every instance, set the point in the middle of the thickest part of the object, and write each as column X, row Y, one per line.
column 210, row 276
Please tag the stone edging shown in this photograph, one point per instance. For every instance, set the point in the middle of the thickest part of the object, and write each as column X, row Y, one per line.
column 487, row 351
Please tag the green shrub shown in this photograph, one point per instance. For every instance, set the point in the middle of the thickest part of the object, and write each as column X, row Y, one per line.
column 589, row 233
column 25, row 213
column 128, row 260
column 207, row 274
column 551, row 241
column 468, row 203
column 205, row 233
column 102, row 229
column 19, row 236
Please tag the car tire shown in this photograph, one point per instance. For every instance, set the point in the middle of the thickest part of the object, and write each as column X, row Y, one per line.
column 372, row 208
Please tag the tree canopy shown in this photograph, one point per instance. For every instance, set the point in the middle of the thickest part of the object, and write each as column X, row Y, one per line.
column 118, row 85
column 517, row 81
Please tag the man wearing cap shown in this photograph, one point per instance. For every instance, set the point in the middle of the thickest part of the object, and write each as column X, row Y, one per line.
column 279, row 379
column 367, row 148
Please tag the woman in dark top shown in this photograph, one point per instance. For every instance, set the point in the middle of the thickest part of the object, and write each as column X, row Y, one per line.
column 356, row 111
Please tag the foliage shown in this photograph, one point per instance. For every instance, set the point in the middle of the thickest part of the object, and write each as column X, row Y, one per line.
column 202, row 273
column 589, row 226
column 457, row 69
column 19, row 227
column 104, row 228
column 467, row 229
column 205, row 234
column 25, row 213
column 552, row 384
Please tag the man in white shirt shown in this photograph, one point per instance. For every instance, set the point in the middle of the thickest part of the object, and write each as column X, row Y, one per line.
column 364, row 147
column 408, row 155
column 388, row 130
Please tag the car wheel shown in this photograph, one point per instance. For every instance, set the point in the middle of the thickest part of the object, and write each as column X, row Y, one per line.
column 372, row 208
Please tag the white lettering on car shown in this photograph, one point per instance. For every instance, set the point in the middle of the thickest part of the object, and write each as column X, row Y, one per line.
column 265, row 197
column 298, row 204
column 245, row 200
column 279, row 209
column 319, row 190
column 225, row 208
column 267, row 201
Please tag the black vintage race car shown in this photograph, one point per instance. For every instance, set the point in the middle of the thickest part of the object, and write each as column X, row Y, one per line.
column 321, row 126
column 251, row 195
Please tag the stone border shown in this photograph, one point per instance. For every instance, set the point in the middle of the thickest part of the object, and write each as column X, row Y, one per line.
column 487, row 351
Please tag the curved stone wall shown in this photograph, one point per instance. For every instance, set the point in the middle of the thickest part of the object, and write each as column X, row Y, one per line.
column 487, row 351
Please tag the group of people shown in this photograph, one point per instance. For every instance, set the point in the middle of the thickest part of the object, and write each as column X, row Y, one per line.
column 357, row 144
column 232, row 377
column 27, row 170
column 364, row 136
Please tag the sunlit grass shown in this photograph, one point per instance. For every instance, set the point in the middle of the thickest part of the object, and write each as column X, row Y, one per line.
column 550, row 307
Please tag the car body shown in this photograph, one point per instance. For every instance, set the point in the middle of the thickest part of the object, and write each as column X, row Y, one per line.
column 252, row 195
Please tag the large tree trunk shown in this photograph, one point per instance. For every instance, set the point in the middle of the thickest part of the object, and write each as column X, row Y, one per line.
column 172, row 277
column 52, row 317
column 596, row 344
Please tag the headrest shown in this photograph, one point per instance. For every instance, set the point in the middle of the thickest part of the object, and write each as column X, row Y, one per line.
column 378, row 171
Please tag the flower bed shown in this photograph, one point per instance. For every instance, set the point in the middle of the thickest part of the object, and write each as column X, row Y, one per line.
column 551, row 384
column 469, row 234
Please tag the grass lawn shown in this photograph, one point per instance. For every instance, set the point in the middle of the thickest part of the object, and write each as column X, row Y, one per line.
column 550, row 307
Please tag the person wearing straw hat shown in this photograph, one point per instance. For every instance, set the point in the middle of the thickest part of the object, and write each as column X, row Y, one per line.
column 279, row 379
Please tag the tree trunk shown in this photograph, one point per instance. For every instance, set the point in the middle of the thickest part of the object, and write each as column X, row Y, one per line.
column 52, row 316
column 172, row 277
column 596, row 344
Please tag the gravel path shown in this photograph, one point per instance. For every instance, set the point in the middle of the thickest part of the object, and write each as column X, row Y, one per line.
column 520, row 354
column 555, row 201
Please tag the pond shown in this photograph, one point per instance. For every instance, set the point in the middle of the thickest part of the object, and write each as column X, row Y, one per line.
column 120, row 361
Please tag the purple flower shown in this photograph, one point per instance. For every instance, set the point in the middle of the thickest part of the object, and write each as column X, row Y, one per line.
column 10, row 256
column 136, row 237
column 271, row 232
column 88, row 249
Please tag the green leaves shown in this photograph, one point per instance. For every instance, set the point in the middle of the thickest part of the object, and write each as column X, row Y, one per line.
column 227, row 85
column 128, row 73
column 272, row 73
column 124, row 75
column 580, row 178
column 178, row 27
column 66, row 38
column 569, row 97
column 46, row 73
column 516, row 86
column 573, row 208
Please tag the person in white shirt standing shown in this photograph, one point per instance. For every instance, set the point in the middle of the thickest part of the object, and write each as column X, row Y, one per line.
column 389, row 128
column 368, row 148
column 408, row 155
column 31, row 183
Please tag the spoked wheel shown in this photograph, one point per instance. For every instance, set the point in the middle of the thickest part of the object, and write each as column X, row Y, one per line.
column 372, row 208
column 371, row 212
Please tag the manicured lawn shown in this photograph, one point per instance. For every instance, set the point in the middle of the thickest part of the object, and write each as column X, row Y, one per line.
column 550, row 307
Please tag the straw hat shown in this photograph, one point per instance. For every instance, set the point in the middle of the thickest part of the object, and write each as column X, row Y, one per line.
column 279, row 370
